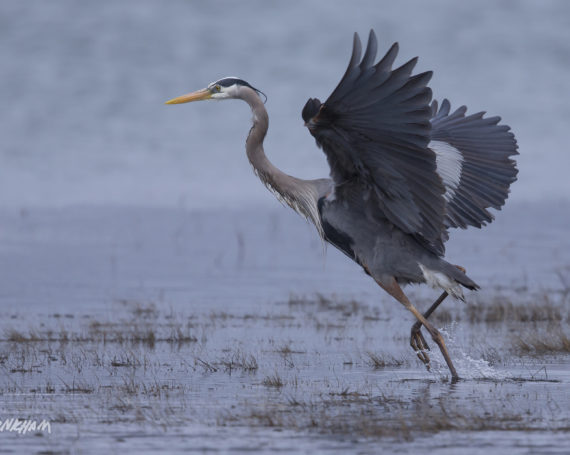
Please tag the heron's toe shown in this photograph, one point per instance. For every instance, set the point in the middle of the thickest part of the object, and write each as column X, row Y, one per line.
column 417, row 339
column 420, row 347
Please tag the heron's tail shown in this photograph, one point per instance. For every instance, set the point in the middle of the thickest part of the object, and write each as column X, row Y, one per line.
column 460, row 276
column 443, row 275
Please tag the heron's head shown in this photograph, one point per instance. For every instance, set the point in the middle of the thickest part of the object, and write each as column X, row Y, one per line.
column 223, row 89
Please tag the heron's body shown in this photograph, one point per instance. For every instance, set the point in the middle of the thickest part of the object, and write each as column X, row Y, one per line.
column 381, row 248
column 402, row 174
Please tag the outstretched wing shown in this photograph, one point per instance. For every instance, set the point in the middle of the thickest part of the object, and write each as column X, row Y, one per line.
column 474, row 161
column 375, row 128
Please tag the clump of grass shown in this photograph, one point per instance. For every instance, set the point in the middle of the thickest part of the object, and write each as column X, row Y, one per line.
column 544, row 343
column 179, row 336
column 48, row 388
column 299, row 300
column 378, row 361
column 285, row 350
column 79, row 387
column 21, row 370
column 111, row 332
column 137, row 334
column 19, row 337
column 15, row 336
column 149, row 338
column 36, row 335
column 125, row 361
column 273, row 381
column 208, row 367
column 240, row 361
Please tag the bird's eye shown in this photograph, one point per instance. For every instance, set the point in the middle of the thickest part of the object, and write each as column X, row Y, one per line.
column 218, row 88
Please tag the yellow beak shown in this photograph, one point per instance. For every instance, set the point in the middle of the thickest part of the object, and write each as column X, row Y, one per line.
column 199, row 95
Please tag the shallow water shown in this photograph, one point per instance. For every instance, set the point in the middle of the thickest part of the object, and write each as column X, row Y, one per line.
column 135, row 328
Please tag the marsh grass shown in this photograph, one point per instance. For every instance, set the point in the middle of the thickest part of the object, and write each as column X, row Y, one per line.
column 238, row 360
column 146, row 367
column 556, row 342
column 362, row 415
column 378, row 361
column 78, row 387
column 207, row 366
column 144, row 326
column 130, row 360
column 16, row 336
column 502, row 309
column 273, row 380
column 544, row 307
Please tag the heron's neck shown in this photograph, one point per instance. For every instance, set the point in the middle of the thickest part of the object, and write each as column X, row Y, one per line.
column 265, row 170
column 300, row 195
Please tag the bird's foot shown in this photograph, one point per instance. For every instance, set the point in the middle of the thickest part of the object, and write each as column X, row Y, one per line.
column 419, row 344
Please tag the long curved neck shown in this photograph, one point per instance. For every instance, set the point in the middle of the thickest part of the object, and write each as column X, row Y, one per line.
column 264, row 169
column 300, row 195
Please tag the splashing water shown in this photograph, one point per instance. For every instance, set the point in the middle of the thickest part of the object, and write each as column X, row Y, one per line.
column 467, row 366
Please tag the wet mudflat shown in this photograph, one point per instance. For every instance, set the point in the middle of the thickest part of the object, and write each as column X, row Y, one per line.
column 140, row 329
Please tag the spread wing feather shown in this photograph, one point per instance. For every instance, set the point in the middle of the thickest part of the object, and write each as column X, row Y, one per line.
column 375, row 128
column 487, row 170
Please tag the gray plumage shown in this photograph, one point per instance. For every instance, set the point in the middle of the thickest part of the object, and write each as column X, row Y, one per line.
column 402, row 173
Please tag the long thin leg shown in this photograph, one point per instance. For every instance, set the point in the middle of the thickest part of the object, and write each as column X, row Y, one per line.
column 417, row 340
column 391, row 286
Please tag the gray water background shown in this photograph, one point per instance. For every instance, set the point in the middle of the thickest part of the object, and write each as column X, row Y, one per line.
column 82, row 86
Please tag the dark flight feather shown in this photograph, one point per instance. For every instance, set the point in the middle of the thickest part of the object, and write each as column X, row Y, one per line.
column 375, row 128
column 487, row 170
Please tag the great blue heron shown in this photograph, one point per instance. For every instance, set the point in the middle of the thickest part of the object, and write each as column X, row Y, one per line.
column 402, row 173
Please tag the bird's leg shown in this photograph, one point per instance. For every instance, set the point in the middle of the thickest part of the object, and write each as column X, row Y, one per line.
column 417, row 340
column 391, row 286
